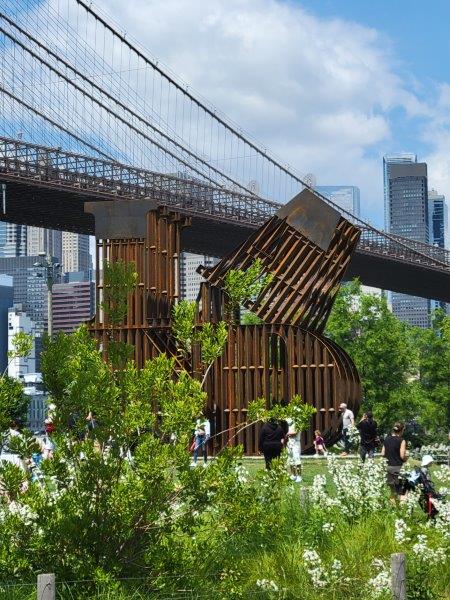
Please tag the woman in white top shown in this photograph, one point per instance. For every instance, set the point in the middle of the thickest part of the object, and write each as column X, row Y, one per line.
column 293, row 446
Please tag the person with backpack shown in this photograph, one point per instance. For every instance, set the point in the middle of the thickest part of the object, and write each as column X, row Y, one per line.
column 394, row 451
column 368, row 431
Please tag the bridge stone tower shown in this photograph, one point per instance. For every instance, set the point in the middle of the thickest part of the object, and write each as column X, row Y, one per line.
column 306, row 248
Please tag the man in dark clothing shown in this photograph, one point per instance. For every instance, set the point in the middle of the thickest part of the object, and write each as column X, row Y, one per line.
column 271, row 440
column 368, row 432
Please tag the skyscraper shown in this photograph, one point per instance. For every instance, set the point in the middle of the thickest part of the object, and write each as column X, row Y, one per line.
column 6, row 301
column 406, row 191
column 388, row 160
column 73, row 304
column 75, row 252
column 13, row 240
column 439, row 229
column 29, row 290
column 19, row 321
column 345, row 196
column 44, row 240
column 438, row 220
column 189, row 278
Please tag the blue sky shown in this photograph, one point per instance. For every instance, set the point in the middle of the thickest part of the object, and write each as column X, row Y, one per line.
column 416, row 31
column 328, row 86
column 417, row 40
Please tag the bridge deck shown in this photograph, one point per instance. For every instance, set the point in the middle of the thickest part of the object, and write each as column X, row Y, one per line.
column 47, row 187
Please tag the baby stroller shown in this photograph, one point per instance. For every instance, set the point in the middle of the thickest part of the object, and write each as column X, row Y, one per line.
column 419, row 478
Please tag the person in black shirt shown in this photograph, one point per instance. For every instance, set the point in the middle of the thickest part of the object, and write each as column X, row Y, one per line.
column 394, row 450
column 368, row 432
column 271, row 440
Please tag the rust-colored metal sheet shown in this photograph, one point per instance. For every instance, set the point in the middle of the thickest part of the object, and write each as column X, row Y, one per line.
column 305, row 275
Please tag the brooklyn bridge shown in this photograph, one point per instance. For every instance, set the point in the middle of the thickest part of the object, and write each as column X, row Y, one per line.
column 89, row 116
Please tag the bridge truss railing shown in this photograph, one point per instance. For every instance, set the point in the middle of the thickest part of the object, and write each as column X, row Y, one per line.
column 377, row 242
column 77, row 172
column 57, row 167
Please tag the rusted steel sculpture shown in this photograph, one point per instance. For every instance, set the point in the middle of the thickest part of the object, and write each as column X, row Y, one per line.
column 306, row 247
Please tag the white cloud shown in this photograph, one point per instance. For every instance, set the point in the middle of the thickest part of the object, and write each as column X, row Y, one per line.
column 317, row 92
column 436, row 133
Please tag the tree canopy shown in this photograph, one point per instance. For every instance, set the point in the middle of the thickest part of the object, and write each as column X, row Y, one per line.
column 405, row 371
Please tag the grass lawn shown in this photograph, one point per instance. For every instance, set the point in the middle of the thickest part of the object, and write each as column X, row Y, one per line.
column 310, row 467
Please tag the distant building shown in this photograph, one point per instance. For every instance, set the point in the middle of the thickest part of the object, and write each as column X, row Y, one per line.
column 18, row 320
column 75, row 252
column 388, row 161
column 34, row 389
column 72, row 304
column 6, row 302
column 189, row 278
column 439, row 230
column 406, row 191
column 438, row 220
column 345, row 196
column 73, row 276
column 29, row 290
column 13, row 239
column 44, row 240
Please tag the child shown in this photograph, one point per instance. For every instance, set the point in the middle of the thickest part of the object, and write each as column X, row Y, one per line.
column 319, row 443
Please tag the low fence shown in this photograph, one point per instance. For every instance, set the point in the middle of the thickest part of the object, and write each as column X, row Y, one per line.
column 47, row 587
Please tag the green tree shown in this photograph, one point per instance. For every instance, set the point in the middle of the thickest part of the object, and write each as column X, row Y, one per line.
column 241, row 285
column 119, row 279
column 183, row 326
column 13, row 402
column 211, row 338
column 434, row 367
column 299, row 412
column 382, row 348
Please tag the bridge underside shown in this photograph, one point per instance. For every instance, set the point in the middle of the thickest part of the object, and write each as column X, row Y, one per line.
column 42, row 205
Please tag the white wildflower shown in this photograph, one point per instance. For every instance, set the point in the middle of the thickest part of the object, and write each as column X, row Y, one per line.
column 315, row 569
column 379, row 585
column 242, row 474
column 328, row 527
column 431, row 556
column 401, row 529
column 443, row 473
column 22, row 511
column 267, row 584
column 442, row 519
column 336, row 565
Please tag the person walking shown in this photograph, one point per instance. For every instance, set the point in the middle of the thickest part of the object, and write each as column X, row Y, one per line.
column 394, row 450
column 202, row 433
column 348, row 420
column 368, row 431
column 271, row 440
column 319, row 444
column 293, row 446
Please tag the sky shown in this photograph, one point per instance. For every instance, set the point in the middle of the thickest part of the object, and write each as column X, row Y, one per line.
column 330, row 86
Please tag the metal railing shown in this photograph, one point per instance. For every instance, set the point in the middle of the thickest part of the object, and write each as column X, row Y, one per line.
column 54, row 167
